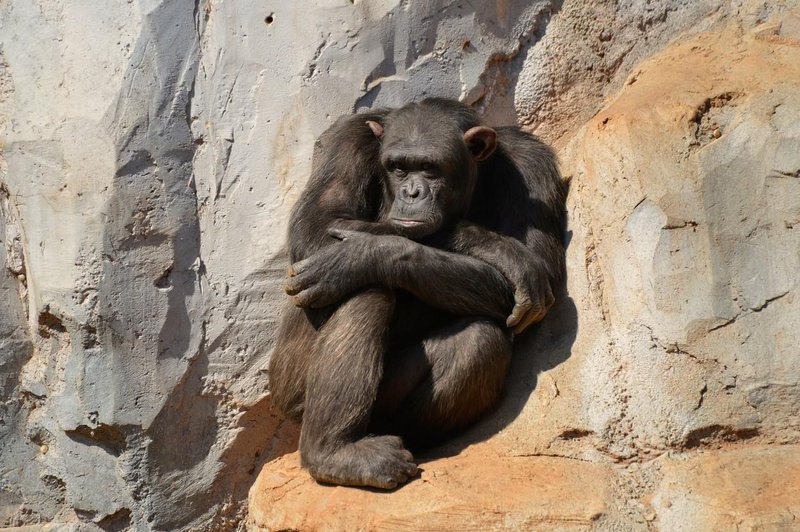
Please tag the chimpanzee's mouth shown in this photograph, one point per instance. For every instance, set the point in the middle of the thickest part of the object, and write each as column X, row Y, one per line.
column 406, row 223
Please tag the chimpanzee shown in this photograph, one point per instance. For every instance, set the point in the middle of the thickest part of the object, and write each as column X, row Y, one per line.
column 422, row 241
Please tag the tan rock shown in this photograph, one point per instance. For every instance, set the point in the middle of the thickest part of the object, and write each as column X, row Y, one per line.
column 475, row 491
column 685, row 242
column 743, row 488
column 739, row 489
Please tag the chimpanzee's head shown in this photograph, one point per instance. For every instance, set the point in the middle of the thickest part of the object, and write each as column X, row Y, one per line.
column 430, row 152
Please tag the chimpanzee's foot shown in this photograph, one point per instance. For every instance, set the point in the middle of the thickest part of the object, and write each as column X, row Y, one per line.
column 377, row 461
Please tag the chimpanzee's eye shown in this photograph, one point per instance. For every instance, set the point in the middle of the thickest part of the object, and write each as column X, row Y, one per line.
column 396, row 167
column 427, row 167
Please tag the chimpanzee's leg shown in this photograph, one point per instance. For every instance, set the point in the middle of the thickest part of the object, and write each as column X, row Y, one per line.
column 290, row 360
column 341, row 387
column 445, row 382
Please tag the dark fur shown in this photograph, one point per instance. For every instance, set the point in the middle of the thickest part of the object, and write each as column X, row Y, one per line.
column 408, row 336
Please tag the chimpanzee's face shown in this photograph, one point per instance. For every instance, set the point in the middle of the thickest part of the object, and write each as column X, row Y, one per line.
column 431, row 178
column 430, row 155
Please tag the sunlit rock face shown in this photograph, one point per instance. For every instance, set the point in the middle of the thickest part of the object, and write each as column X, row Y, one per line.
column 150, row 152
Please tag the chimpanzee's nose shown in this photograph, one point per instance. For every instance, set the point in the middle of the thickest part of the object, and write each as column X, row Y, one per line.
column 411, row 192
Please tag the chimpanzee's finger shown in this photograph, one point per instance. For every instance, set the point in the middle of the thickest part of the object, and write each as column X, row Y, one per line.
column 516, row 315
column 534, row 316
column 307, row 298
column 299, row 267
column 293, row 285
column 549, row 298
column 536, row 312
column 321, row 298
column 522, row 303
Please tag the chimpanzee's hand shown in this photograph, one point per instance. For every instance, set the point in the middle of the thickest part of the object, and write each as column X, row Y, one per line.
column 533, row 295
column 340, row 269
column 525, row 270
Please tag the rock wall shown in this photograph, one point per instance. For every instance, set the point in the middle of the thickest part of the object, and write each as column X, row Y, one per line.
column 151, row 151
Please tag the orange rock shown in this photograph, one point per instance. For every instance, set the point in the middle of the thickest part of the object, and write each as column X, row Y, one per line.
column 739, row 489
column 466, row 492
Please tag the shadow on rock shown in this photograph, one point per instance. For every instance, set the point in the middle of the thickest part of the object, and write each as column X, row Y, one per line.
column 541, row 348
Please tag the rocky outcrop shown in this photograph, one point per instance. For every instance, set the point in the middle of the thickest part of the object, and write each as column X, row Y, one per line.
column 663, row 389
column 477, row 490
column 151, row 151
column 685, row 207
column 750, row 487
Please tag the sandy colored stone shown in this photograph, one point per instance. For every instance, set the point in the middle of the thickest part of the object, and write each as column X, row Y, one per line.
column 684, row 251
column 736, row 489
column 474, row 491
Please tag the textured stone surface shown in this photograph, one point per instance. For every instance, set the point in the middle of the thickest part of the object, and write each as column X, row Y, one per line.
column 679, row 332
column 474, row 491
column 738, row 489
column 151, row 151
column 686, row 187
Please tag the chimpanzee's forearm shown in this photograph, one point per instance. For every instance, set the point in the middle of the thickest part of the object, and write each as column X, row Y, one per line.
column 345, row 183
column 452, row 282
column 456, row 282
column 503, row 251
column 549, row 250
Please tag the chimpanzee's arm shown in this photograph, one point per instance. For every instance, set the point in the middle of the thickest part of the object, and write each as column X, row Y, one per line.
column 452, row 282
column 457, row 283
column 526, row 265
column 345, row 183
column 527, row 271
column 520, row 194
column 517, row 222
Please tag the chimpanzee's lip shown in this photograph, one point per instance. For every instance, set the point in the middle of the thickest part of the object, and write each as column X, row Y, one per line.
column 406, row 223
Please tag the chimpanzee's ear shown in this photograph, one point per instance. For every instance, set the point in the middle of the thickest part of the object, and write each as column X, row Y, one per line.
column 481, row 142
column 376, row 128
